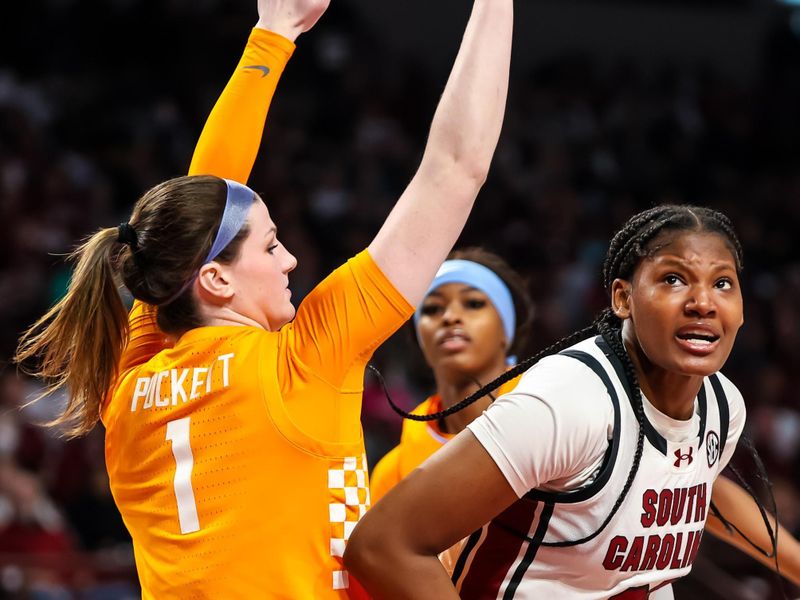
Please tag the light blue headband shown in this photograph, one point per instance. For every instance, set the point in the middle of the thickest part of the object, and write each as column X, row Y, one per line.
column 238, row 201
column 482, row 278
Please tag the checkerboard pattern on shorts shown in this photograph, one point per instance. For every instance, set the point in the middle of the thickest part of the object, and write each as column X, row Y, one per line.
column 350, row 501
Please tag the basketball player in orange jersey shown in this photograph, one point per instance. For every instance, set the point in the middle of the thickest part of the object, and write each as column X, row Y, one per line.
column 233, row 438
column 475, row 317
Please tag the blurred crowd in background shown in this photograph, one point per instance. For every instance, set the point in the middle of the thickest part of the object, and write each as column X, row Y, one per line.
column 101, row 100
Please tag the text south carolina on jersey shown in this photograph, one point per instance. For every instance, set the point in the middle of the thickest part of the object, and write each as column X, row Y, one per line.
column 661, row 550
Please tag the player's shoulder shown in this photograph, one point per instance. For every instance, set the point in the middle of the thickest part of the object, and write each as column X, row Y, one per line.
column 387, row 466
column 571, row 391
column 204, row 344
column 731, row 392
column 727, row 385
column 574, row 371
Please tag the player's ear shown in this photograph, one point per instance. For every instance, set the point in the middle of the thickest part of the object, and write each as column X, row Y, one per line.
column 620, row 298
column 213, row 282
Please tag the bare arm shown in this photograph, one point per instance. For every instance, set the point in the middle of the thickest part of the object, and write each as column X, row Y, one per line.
column 740, row 509
column 431, row 212
column 289, row 18
column 393, row 550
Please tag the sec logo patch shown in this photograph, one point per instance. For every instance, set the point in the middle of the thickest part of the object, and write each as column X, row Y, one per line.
column 712, row 448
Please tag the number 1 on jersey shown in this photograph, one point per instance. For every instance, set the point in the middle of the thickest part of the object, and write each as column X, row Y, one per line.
column 178, row 434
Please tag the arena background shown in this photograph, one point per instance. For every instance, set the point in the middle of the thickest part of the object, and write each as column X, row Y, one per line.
column 613, row 107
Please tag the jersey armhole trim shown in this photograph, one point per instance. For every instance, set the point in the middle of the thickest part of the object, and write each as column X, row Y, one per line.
column 281, row 420
column 656, row 439
column 724, row 411
column 610, row 458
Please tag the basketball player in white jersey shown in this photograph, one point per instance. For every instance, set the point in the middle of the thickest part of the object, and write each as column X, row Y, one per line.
column 593, row 478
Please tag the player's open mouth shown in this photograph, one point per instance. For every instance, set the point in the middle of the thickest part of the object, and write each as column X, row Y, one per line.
column 698, row 340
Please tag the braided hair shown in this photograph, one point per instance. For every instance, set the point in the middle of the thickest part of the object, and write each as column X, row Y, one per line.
column 643, row 235
column 640, row 237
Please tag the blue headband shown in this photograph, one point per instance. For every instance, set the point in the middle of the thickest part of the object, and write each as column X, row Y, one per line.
column 238, row 201
column 482, row 278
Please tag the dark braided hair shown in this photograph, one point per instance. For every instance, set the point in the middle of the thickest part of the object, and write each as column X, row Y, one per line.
column 761, row 475
column 642, row 236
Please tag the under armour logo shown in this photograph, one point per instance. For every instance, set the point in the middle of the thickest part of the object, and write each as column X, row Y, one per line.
column 680, row 457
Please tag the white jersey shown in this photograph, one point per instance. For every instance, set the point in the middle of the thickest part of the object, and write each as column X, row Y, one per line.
column 565, row 439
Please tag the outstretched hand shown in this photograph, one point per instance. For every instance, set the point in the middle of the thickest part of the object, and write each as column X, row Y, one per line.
column 290, row 18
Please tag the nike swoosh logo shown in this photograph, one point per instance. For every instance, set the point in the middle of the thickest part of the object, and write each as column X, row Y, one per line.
column 263, row 68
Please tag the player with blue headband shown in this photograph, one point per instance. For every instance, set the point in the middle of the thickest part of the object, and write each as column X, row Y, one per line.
column 474, row 318
column 481, row 278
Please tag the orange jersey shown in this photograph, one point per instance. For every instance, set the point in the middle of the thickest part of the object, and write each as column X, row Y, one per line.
column 236, row 457
column 230, row 140
column 227, row 148
column 418, row 440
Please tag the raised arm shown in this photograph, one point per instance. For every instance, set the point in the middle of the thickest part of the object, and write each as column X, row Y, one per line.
column 231, row 137
column 740, row 509
column 430, row 214
column 230, row 140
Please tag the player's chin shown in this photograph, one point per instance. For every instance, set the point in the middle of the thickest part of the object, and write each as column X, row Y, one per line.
column 700, row 366
column 288, row 315
column 461, row 363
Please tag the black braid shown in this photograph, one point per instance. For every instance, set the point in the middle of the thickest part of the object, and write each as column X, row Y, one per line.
column 608, row 326
column 761, row 475
column 492, row 385
column 624, row 241
column 726, row 227
column 632, row 242
column 628, row 246
column 635, row 249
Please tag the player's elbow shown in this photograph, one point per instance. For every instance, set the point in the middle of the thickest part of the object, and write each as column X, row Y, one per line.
column 459, row 175
column 363, row 552
column 471, row 167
